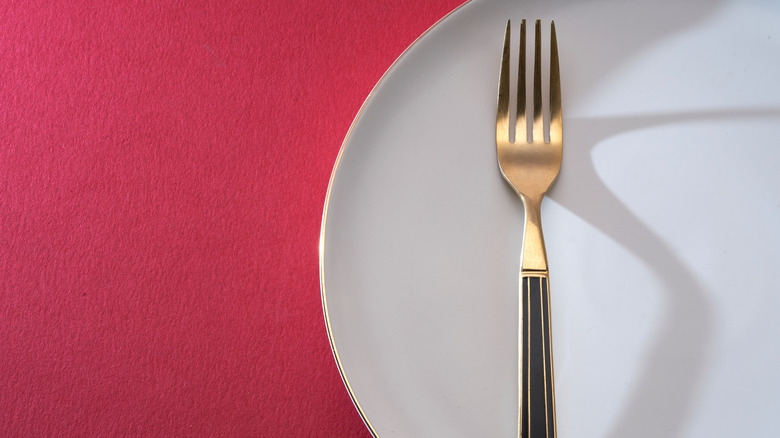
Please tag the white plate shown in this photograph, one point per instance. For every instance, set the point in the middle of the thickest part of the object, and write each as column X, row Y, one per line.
column 662, row 231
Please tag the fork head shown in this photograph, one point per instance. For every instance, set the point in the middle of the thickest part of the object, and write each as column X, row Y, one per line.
column 530, row 166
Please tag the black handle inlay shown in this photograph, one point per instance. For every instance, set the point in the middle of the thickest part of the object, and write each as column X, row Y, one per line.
column 537, row 417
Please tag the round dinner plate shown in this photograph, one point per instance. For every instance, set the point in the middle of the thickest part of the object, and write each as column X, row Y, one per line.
column 662, row 231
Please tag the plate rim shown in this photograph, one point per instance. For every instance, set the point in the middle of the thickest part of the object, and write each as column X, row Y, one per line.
column 321, row 246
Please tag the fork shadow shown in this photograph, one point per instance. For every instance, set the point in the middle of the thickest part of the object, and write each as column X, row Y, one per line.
column 673, row 364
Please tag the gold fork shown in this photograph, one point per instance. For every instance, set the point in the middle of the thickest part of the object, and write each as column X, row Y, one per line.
column 531, row 167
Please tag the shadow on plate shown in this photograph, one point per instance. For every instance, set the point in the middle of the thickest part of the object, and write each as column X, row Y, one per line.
column 673, row 364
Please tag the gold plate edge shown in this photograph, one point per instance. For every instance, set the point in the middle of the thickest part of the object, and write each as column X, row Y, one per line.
column 321, row 248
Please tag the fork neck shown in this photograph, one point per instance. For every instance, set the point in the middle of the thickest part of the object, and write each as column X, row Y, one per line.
column 534, row 260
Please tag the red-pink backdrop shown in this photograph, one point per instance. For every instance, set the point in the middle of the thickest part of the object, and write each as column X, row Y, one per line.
column 163, row 167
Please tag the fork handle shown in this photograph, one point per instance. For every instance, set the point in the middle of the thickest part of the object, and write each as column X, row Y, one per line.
column 536, row 400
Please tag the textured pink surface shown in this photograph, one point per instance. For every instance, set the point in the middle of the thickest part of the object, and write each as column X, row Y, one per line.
column 163, row 168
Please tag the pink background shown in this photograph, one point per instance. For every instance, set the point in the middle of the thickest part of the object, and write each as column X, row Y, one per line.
column 163, row 168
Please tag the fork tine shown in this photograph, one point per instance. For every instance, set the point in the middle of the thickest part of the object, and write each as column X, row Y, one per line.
column 556, row 123
column 521, row 125
column 502, row 112
column 537, row 133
